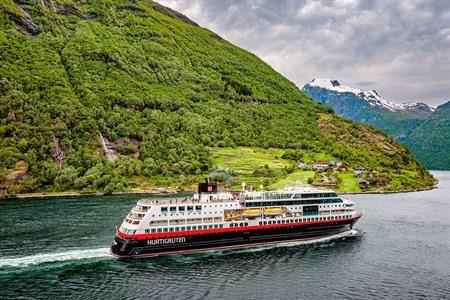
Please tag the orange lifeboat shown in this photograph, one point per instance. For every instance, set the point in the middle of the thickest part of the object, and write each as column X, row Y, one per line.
column 273, row 211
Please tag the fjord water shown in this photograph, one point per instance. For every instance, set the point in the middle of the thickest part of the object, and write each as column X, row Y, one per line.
column 58, row 248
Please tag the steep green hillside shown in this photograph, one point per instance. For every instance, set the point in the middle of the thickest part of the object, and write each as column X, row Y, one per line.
column 153, row 91
column 431, row 140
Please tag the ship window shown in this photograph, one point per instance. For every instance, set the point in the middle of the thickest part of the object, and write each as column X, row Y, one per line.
column 181, row 208
column 171, row 229
column 177, row 228
column 166, row 229
column 158, row 222
column 190, row 208
column 220, row 225
column 245, row 224
column 194, row 221
column 173, row 209
column 260, row 223
column 188, row 228
column 147, row 230
column 205, row 226
column 183, row 228
column 153, row 230
column 210, row 226
column 216, row 226
column 218, row 219
column 279, row 222
column 177, row 222
column 164, row 209
column 231, row 225
column 159, row 229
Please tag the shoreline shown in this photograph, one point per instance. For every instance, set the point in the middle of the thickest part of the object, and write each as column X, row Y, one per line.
column 36, row 196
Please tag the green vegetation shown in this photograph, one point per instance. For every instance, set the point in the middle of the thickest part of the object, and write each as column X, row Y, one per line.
column 171, row 98
column 430, row 141
column 349, row 183
column 293, row 178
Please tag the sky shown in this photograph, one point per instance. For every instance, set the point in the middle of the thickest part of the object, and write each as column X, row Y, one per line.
column 399, row 48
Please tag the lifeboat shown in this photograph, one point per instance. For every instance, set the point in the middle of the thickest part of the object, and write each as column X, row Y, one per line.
column 231, row 217
column 273, row 211
column 253, row 212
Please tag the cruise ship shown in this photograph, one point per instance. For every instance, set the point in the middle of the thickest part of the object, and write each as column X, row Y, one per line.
column 221, row 220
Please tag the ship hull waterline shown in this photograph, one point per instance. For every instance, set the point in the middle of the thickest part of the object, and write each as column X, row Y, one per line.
column 191, row 244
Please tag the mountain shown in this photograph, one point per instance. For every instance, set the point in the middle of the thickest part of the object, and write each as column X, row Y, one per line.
column 370, row 98
column 430, row 141
column 407, row 122
column 130, row 95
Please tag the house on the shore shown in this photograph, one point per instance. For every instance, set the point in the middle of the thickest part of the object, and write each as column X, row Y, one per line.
column 363, row 184
column 330, row 169
column 321, row 165
column 359, row 170
column 342, row 167
column 303, row 166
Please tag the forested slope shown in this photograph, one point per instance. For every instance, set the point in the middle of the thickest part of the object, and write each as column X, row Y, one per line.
column 431, row 140
column 159, row 89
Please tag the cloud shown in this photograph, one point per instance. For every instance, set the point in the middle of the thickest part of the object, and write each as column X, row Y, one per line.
column 401, row 47
column 366, row 83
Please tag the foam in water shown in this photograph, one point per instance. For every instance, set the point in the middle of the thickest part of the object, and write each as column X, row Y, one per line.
column 104, row 252
column 345, row 234
column 349, row 233
column 53, row 257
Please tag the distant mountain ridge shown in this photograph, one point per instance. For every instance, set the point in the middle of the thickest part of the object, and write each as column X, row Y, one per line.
column 421, row 127
column 371, row 97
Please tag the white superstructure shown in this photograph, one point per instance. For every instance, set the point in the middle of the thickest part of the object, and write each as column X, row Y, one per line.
column 214, row 210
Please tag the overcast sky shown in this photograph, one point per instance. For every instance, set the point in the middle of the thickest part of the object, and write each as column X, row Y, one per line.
column 399, row 48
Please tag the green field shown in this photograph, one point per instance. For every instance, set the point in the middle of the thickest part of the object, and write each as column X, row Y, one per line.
column 298, row 177
column 349, row 183
column 244, row 160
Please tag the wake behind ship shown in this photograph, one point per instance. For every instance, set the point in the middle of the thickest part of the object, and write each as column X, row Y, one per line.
column 213, row 220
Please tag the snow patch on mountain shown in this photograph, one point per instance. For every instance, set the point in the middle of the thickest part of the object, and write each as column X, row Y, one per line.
column 371, row 97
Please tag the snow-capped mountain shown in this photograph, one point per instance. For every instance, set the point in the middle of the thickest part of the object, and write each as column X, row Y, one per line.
column 424, row 129
column 370, row 96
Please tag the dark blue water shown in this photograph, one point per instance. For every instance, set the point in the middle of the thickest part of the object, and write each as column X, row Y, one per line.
column 57, row 249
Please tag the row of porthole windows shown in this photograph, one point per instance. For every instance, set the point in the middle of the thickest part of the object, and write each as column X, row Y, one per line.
column 190, row 208
column 183, row 228
column 182, row 214
column 303, row 220
column 336, row 205
column 238, row 224
column 129, row 231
